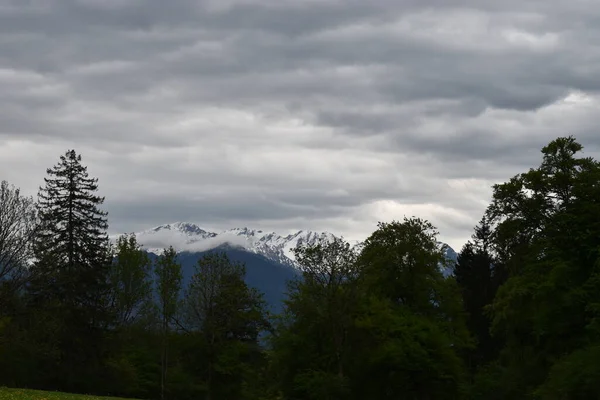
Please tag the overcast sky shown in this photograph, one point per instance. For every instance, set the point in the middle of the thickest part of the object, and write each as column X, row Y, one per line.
column 295, row 114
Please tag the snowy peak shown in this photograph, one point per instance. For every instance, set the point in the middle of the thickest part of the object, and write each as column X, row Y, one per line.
column 185, row 228
column 190, row 237
column 244, row 231
column 184, row 236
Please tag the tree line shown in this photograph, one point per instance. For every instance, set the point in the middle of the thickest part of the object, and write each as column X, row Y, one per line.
column 518, row 319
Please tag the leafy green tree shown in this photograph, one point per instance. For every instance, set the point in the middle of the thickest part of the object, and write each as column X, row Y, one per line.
column 548, row 232
column 403, row 354
column 412, row 327
column 313, row 343
column 401, row 262
column 331, row 268
column 131, row 281
column 132, row 349
column 226, row 317
column 168, row 283
column 574, row 376
column 383, row 323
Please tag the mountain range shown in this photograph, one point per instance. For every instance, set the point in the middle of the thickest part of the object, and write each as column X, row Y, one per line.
column 189, row 237
column 268, row 256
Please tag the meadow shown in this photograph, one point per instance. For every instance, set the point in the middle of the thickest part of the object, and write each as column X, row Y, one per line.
column 26, row 394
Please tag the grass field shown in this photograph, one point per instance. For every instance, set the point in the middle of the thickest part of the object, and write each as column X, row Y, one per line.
column 23, row 394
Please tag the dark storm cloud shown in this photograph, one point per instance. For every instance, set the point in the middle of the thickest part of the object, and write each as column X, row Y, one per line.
column 329, row 114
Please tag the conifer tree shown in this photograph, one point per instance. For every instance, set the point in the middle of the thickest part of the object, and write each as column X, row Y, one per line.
column 69, row 280
column 73, row 227
column 72, row 244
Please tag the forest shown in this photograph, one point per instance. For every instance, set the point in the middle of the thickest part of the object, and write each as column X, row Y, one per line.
column 518, row 319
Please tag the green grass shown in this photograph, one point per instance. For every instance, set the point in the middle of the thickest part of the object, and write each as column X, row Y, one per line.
column 25, row 394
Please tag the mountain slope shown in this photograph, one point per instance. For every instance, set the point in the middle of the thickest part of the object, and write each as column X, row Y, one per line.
column 267, row 276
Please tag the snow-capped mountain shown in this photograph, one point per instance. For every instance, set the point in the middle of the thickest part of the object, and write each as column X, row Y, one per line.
column 190, row 237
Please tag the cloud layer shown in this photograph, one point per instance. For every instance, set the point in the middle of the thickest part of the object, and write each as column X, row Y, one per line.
column 289, row 114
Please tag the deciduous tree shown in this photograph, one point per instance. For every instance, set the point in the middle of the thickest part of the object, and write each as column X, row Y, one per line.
column 412, row 327
column 314, row 340
column 548, row 308
column 17, row 229
column 131, row 281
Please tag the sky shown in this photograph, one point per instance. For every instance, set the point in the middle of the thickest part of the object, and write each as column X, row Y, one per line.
column 328, row 115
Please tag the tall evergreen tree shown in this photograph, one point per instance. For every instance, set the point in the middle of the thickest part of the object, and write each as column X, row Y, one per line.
column 73, row 228
column 72, row 248
column 69, row 280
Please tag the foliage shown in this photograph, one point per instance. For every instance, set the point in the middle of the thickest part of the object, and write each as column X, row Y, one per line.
column 413, row 324
column 313, row 340
column 478, row 273
column 380, row 324
column 168, row 284
column 130, row 281
column 224, row 317
column 546, row 310
column 574, row 376
column 406, row 354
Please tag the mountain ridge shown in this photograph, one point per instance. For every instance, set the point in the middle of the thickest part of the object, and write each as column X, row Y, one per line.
column 190, row 237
